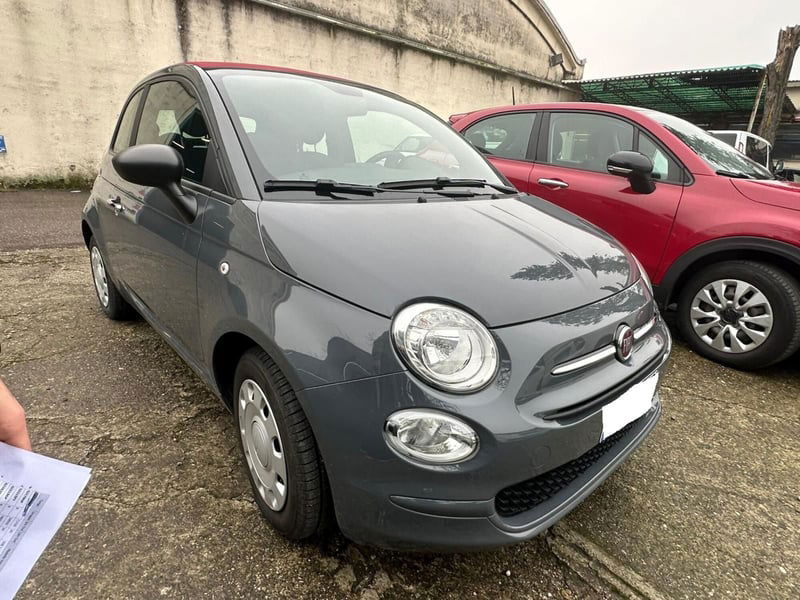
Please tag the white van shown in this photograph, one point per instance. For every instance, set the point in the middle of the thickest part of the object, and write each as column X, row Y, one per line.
column 749, row 144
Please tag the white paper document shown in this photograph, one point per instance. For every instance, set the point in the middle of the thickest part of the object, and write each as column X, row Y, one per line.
column 36, row 495
column 629, row 406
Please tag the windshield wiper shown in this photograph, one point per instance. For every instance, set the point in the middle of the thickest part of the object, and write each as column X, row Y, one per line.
column 323, row 187
column 443, row 182
column 734, row 174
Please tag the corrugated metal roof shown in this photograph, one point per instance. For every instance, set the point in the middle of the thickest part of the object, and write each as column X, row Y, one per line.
column 670, row 73
column 696, row 93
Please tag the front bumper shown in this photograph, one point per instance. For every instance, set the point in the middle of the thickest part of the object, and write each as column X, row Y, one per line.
column 385, row 500
column 440, row 525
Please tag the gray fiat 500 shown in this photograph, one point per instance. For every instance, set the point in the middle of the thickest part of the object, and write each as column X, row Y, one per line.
column 406, row 343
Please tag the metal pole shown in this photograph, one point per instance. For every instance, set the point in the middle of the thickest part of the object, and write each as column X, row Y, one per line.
column 758, row 99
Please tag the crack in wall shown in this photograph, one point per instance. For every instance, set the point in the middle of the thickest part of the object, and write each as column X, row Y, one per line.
column 182, row 21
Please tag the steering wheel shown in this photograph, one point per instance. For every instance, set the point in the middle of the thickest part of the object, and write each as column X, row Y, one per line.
column 393, row 158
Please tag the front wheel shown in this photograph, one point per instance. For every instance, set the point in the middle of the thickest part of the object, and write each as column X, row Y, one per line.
column 279, row 449
column 744, row 314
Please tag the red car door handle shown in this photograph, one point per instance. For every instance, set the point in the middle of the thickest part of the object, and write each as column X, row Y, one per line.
column 553, row 183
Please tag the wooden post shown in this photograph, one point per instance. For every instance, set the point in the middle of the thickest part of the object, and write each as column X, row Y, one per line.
column 777, row 74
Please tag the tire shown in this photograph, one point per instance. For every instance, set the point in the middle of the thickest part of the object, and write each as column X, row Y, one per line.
column 759, row 342
column 302, row 512
column 111, row 301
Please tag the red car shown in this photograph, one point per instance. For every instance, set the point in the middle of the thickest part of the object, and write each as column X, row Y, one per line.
column 718, row 235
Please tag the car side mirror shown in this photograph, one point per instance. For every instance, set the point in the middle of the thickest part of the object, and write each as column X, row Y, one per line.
column 634, row 166
column 158, row 166
column 778, row 166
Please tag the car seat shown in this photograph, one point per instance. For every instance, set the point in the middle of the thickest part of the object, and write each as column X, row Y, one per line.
column 477, row 139
column 194, row 138
column 557, row 145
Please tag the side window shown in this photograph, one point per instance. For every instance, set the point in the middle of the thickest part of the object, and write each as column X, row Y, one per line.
column 728, row 138
column 664, row 168
column 172, row 116
column 506, row 136
column 586, row 140
column 756, row 149
column 123, row 137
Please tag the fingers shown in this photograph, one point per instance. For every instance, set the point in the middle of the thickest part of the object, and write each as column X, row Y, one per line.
column 13, row 428
column 20, row 437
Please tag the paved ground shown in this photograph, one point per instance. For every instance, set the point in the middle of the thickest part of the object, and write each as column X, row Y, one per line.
column 708, row 507
column 36, row 219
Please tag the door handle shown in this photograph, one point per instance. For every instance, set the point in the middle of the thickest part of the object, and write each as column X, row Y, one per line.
column 115, row 203
column 554, row 183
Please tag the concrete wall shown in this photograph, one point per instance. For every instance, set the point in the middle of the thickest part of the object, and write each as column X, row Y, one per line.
column 66, row 66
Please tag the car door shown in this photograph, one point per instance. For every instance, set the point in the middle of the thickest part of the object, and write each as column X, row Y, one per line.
column 570, row 171
column 157, row 247
column 505, row 139
column 107, row 188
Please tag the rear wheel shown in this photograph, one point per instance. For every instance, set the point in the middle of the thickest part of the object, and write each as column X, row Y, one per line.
column 744, row 314
column 111, row 301
column 279, row 449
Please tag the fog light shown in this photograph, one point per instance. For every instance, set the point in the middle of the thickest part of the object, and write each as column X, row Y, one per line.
column 430, row 436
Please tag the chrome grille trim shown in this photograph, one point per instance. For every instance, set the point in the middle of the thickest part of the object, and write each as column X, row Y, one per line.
column 642, row 331
column 600, row 355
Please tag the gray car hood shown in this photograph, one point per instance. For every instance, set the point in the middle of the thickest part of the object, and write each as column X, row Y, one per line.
column 507, row 260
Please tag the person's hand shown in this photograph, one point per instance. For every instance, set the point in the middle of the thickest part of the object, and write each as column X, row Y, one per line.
column 13, row 429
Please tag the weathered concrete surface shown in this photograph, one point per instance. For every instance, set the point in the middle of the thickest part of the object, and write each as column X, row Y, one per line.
column 168, row 510
column 40, row 219
column 710, row 506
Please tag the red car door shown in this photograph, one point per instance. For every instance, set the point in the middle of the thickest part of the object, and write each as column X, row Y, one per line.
column 505, row 139
column 571, row 172
column 516, row 171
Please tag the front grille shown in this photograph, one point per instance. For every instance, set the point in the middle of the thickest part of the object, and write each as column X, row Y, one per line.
column 583, row 408
column 523, row 496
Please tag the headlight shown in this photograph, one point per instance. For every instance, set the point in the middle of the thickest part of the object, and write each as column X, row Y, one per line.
column 643, row 274
column 445, row 346
column 430, row 436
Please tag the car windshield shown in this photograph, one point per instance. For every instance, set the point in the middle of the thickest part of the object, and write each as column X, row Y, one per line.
column 718, row 155
column 299, row 128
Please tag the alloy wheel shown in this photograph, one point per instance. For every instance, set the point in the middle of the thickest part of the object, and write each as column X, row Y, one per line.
column 731, row 316
column 263, row 448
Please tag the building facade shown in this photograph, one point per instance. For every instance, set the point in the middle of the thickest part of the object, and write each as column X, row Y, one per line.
column 67, row 66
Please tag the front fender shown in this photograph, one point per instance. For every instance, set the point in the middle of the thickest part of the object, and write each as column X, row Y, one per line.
column 316, row 339
column 724, row 246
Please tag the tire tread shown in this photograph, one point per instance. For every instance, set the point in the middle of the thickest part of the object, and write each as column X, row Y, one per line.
column 312, row 511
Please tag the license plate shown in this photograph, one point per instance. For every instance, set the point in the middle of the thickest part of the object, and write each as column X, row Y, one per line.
column 629, row 407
